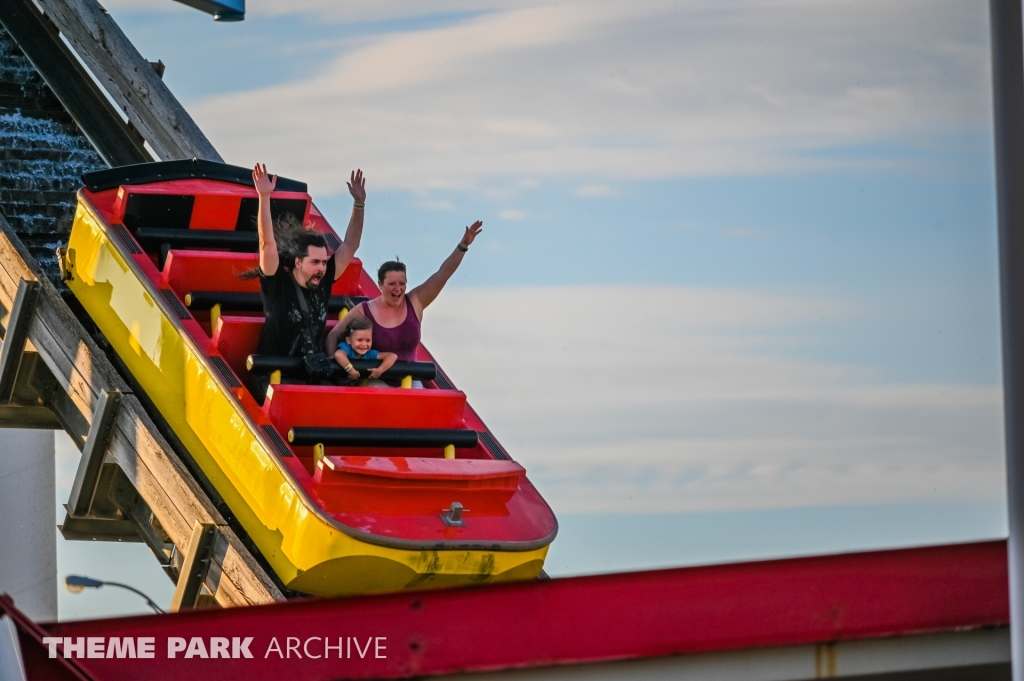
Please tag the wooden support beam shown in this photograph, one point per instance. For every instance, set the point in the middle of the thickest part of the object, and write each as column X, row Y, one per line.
column 130, row 80
column 84, row 488
column 74, row 87
column 82, row 372
column 195, row 567
column 17, row 332
column 142, row 518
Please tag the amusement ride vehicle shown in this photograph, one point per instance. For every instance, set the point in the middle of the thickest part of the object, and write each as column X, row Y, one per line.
column 341, row 490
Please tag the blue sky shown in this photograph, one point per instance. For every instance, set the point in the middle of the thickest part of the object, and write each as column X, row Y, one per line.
column 737, row 282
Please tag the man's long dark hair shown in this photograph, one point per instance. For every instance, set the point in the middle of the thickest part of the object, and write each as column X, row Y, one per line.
column 293, row 241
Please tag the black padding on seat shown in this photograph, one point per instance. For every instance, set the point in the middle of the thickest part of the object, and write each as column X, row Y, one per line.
column 175, row 304
column 276, row 441
column 250, row 302
column 295, row 367
column 383, row 437
column 247, row 242
column 492, row 445
column 164, row 171
column 249, row 208
column 163, row 211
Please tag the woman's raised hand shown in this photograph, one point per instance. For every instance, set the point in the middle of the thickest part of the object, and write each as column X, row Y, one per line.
column 357, row 186
column 264, row 183
column 471, row 233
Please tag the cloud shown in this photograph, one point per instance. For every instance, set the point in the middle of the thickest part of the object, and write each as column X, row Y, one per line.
column 613, row 90
column 511, row 214
column 682, row 399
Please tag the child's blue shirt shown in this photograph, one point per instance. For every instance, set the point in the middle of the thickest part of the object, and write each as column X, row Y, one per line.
column 352, row 354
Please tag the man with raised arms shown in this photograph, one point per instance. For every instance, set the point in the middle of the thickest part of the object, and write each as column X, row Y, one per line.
column 294, row 262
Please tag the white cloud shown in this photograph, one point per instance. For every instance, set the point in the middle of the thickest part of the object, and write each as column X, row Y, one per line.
column 595, row 190
column 679, row 399
column 617, row 90
column 510, row 214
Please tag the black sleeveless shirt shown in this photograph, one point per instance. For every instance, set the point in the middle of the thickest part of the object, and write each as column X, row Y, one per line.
column 285, row 331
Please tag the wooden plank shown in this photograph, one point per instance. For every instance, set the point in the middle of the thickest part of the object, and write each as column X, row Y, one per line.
column 15, row 259
column 159, row 476
column 130, row 80
column 177, row 502
column 231, row 576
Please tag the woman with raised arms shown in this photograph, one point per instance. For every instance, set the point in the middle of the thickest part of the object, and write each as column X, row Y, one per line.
column 395, row 314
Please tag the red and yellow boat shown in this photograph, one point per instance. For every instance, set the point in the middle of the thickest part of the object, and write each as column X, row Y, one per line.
column 343, row 490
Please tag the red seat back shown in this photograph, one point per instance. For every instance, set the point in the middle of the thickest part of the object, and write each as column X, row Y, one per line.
column 289, row 406
column 235, row 338
column 187, row 271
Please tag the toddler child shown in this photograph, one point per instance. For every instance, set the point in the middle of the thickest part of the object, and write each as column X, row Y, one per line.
column 358, row 338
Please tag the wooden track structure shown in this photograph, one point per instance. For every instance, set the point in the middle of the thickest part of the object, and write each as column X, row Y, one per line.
column 133, row 483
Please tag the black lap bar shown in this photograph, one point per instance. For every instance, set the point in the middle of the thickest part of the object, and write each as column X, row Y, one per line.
column 294, row 366
column 198, row 238
column 250, row 302
column 383, row 437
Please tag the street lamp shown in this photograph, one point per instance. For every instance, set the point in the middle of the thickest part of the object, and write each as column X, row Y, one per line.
column 77, row 583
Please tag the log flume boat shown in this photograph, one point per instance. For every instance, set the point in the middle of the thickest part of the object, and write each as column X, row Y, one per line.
column 342, row 490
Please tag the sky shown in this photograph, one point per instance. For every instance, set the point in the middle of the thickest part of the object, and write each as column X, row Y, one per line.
column 736, row 295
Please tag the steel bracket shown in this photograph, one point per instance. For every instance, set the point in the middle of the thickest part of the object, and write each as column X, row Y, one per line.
column 15, row 336
column 195, row 565
column 84, row 489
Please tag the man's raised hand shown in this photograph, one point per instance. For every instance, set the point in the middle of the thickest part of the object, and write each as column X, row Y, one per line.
column 264, row 183
column 357, row 186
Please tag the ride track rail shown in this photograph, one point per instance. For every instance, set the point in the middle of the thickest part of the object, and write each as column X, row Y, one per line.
column 70, row 375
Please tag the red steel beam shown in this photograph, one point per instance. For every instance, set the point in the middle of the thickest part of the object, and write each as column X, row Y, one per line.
column 575, row 620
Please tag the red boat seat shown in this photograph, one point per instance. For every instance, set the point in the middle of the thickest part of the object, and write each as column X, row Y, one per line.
column 186, row 271
column 200, row 205
column 289, row 406
column 235, row 338
column 422, row 472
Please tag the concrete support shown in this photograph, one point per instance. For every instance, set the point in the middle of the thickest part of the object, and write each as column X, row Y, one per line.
column 28, row 522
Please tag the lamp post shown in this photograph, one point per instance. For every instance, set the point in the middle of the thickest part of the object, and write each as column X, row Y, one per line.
column 77, row 583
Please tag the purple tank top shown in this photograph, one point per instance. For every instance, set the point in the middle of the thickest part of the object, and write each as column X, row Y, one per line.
column 402, row 339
